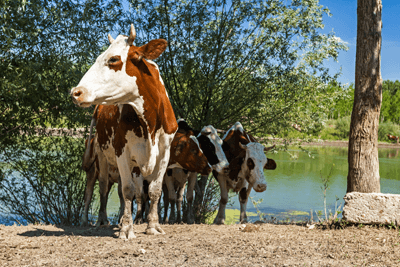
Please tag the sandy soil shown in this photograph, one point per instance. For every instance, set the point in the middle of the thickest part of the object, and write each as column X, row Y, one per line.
column 200, row 245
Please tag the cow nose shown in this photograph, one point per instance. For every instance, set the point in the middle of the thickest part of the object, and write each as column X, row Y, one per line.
column 77, row 93
column 260, row 187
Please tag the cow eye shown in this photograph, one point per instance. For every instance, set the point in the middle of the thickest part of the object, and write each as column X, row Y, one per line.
column 250, row 163
column 113, row 60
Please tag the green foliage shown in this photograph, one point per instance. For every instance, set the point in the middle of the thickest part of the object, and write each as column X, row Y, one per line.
column 46, row 46
column 251, row 61
column 386, row 128
column 343, row 127
column 45, row 184
column 390, row 109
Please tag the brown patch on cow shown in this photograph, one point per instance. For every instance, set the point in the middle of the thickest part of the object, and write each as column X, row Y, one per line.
column 188, row 154
column 115, row 63
column 270, row 165
column 158, row 111
column 250, row 164
column 235, row 166
column 232, row 140
column 136, row 171
column 106, row 123
column 110, row 122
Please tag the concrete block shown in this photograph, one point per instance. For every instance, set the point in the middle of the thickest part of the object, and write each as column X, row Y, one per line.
column 372, row 208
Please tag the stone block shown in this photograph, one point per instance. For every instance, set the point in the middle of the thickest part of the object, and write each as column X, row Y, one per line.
column 372, row 208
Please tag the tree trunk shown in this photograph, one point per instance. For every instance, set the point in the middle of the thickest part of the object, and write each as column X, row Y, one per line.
column 363, row 173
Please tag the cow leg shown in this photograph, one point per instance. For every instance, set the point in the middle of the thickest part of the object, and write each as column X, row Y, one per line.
column 104, row 188
column 145, row 201
column 169, row 181
column 121, row 201
column 127, row 186
column 166, row 202
column 243, row 198
column 220, row 219
column 155, row 188
column 139, row 192
column 181, row 190
column 192, row 179
column 91, row 176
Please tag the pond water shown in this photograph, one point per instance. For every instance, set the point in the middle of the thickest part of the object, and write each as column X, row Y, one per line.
column 294, row 187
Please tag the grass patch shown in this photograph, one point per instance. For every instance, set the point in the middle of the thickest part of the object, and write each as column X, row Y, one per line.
column 231, row 216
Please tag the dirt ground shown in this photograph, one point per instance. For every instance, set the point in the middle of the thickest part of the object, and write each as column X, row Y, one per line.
column 200, row 245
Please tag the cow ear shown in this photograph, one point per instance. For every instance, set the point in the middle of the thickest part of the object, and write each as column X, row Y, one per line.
column 270, row 165
column 154, row 48
column 266, row 149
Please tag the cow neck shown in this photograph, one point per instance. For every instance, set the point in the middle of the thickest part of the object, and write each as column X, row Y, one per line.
column 113, row 123
column 157, row 109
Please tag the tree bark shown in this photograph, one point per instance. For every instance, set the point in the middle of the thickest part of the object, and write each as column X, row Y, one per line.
column 363, row 160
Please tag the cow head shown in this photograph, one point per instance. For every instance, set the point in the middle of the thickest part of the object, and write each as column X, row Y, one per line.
column 119, row 74
column 252, row 168
column 211, row 144
column 185, row 151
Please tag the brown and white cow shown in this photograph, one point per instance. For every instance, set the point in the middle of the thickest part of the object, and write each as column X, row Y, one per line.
column 185, row 154
column 175, row 178
column 247, row 162
column 139, row 140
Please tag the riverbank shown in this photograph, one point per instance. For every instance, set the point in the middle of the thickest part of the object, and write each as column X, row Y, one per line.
column 334, row 143
column 199, row 245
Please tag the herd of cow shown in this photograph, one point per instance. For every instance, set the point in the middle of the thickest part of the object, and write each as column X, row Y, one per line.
column 140, row 145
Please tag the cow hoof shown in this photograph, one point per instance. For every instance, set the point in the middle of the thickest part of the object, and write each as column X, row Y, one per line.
column 155, row 231
column 219, row 221
column 161, row 231
column 152, row 231
column 131, row 235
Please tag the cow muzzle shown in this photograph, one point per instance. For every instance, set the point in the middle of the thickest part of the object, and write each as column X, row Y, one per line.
column 78, row 95
column 260, row 187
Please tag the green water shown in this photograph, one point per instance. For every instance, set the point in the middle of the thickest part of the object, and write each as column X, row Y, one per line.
column 295, row 185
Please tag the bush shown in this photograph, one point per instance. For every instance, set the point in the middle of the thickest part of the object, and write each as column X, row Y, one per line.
column 343, row 127
column 388, row 128
column 43, row 181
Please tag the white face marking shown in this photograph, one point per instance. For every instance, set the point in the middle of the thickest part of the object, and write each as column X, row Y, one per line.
column 107, row 86
column 255, row 151
column 217, row 142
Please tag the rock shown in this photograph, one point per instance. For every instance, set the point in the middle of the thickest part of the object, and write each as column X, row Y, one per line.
column 372, row 208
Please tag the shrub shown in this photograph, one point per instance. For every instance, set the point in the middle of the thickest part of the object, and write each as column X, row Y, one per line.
column 43, row 181
column 343, row 127
column 388, row 128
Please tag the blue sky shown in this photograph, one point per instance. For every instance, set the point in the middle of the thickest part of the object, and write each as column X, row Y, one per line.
column 344, row 23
